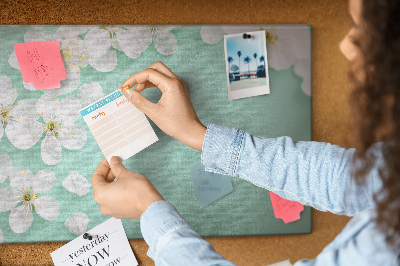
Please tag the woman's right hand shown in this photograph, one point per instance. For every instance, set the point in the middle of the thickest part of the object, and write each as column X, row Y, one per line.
column 174, row 112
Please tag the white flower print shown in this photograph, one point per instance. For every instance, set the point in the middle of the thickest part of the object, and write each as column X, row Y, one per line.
column 6, row 167
column 89, row 93
column 77, row 223
column 135, row 40
column 60, row 127
column 1, row 236
column 76, row 183
column 22, row 197
column 18, row 119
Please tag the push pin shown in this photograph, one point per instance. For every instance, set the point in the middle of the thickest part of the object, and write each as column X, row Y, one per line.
column 246, row 36
column 88, row 236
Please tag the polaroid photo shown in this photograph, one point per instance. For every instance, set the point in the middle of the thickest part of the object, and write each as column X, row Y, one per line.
column 246, row 64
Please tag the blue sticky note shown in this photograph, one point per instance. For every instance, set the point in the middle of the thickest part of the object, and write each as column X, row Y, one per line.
column 209, row 186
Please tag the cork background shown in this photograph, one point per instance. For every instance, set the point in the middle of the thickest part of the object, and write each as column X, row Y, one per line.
column 330, row 22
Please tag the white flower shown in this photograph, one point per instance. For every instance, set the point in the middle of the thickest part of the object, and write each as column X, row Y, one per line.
column 18, row 119
column 90, row 93
column 136, row 39
column 6, row 167
column 22, row 197
column 76, row 183
column 282, row 47
column 60, row 127
column 77, row 223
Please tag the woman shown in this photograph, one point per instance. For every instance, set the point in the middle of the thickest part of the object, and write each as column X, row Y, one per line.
column 316, row 174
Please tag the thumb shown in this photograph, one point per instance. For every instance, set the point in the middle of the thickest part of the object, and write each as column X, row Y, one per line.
column 117, row 167
column 138, row 100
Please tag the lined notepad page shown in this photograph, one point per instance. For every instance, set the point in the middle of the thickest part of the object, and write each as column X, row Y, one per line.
column 118, row 126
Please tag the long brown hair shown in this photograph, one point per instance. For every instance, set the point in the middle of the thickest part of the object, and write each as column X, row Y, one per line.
column 375, row 103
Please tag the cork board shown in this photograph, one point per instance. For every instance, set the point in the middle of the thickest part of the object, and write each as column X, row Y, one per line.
column 330, row 23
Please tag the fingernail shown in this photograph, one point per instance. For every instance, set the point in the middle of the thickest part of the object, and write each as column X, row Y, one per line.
column 115, row 160
column 125, row 88
column 128, row 93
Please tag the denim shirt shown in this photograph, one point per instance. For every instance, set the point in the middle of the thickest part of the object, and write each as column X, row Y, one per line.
column 312, row 173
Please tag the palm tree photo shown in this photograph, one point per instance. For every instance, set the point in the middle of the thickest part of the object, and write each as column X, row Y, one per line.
column 239, row 54
column 255, row 57
column 230, row 60
column 247, row 60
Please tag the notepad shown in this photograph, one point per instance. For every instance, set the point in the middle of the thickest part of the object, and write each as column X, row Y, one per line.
column 118, row 126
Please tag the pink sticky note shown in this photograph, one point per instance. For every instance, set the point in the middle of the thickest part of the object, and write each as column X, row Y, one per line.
column 41, row 63
column 284, row 209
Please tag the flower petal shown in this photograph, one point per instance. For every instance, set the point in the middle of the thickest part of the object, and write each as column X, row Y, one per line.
column 43, row 181
column 165, row 42
column 70, row 32
column 13, row 61
column 21, row 219
column 68, row 110
column 106, row 62
column 8, row 95
column 72, row 71
column 212, row 34
column 29, row 86
column 1, row 236
column 90, row 93
column 76, row 183
column 67, row 86
column 72, row 137
column 47, row 207
column 302, row 69
column 77, row 223
column 280, row 55
column 21, row 178
column 135, row 40
column 98, row 42
column 47, row 106
column 51, row 150
column 9, row 198
column 6, row 167
column 36, row 35
column 24, row 136
column 24, row 111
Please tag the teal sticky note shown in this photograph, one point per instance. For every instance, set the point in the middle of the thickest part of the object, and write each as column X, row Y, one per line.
column 209, row 186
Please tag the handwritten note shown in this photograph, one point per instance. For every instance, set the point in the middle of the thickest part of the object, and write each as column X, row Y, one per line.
column 209, row 186
column 41, row 63
column 118, row 126
column 288, row 211
column 108, row 246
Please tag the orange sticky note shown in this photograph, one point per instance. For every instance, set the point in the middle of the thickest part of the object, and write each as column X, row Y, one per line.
column 41, row 63
column 287, row 210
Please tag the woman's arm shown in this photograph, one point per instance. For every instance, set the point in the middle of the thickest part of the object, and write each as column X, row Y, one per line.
column 312, row 173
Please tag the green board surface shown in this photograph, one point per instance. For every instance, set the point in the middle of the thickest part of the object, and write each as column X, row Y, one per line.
column 196, row 55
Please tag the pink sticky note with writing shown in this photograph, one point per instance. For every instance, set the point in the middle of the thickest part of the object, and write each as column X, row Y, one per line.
column 41, row 63
column 284, row 209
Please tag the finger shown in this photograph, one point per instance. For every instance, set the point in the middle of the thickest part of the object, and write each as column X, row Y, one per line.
column 110, row 177
column 159, row 80
column 160, row 67
column 100, row 174
column 117, row 167
column 140, row 102
column 142, row 86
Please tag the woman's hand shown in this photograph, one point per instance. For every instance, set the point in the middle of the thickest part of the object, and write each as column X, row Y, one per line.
column 173, row 113
column 127, row 197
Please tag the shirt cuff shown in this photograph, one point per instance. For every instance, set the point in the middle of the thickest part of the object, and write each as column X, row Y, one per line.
column 158, row 219
column 221, row 151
